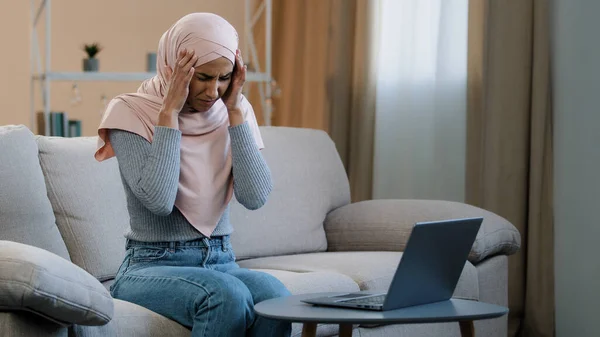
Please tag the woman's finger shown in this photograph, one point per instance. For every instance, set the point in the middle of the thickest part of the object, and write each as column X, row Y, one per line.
column 244, row 71
column 168, row 73
column 192, row 61
column 239, row 68
column 238, row 54
column 241, row 58
column 189, row 75
column 182, row 54
column 239, row 63
column 185, row 59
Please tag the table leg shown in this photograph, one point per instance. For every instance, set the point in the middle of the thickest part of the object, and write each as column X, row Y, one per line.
column 309, row 329
column 467, row 329
column 345, row 330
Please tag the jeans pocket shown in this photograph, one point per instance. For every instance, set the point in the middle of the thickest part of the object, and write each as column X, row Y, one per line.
column 148, row 254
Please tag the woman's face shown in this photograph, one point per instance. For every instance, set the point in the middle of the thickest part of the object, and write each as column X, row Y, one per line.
column 209, row 83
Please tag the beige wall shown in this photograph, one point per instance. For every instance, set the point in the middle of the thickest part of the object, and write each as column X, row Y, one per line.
column 126, row 28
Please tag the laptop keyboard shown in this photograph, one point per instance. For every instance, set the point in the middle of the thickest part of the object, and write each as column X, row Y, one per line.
column 373, row 300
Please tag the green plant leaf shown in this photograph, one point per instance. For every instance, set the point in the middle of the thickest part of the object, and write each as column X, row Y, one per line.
column 92, row 49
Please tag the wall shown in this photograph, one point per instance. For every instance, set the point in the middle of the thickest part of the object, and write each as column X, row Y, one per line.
column 126, row 28
column 576, row 73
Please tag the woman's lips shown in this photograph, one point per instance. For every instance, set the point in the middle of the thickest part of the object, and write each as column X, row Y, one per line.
column 206, row 103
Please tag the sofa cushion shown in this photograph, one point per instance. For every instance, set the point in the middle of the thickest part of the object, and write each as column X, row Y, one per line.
column 25, row 211
column 314, row 282
column 296, row 283
column 370, row 270
column 133, row 320
column 36, row 280
column 309, row 181
column 89, row 202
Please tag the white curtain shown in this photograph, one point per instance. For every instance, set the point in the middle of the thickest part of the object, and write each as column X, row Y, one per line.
column 420, row 129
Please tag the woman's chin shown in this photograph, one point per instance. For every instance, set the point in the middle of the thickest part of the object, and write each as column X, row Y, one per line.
column 198, row 109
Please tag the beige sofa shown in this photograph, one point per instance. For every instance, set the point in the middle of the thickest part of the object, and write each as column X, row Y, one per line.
column 55, row 196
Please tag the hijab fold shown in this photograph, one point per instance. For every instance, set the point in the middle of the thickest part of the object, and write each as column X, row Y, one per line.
column 205, row 179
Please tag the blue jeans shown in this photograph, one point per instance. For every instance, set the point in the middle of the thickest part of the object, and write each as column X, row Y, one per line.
column 199, row 285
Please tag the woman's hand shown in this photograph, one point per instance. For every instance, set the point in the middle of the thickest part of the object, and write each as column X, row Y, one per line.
column 233, row 95
column 178, row 82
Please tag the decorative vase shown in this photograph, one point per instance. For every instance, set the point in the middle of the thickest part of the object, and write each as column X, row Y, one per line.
column 151, row 62
column 90, row 64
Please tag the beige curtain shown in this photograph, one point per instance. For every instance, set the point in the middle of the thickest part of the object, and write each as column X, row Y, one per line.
column 509, row 145
column 323, row 62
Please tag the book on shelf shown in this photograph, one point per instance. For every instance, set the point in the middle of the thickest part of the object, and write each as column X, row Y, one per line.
column 59, row 124
column 74, row 128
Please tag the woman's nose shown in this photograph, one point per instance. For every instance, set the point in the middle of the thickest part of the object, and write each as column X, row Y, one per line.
column 212, row 91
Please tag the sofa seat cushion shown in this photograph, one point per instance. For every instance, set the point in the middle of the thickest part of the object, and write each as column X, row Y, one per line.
column 26, row 213
column 88, row 200
column 314, row 282
column 370, row 270
column 133, row 320
column 296, row 283
column 108, row 283
column 299, row 283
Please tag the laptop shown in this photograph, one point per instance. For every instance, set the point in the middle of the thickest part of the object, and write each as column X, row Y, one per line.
column 434, row 258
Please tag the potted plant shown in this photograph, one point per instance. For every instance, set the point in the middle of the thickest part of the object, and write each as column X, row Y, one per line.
column 91, row 63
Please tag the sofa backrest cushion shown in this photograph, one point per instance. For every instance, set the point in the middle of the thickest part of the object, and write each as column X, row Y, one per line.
column 25, row 211
column 89, row 202
column 309, row 181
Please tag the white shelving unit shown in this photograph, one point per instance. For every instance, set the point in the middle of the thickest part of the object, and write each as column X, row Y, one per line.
column 44, row 75
column 112, row 76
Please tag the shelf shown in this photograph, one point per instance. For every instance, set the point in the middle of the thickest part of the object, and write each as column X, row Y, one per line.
column 41, row 70
column 123, row 77
column 93, row 76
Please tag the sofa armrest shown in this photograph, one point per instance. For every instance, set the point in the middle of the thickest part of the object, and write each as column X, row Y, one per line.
column 38, row 281
column 386, row 224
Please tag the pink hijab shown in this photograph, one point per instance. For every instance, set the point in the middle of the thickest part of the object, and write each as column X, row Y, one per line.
column 205, row 179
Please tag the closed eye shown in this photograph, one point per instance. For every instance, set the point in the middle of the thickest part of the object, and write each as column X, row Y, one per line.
column 226, row 77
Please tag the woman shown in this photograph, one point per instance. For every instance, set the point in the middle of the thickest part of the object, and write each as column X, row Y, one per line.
column 185, row 142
